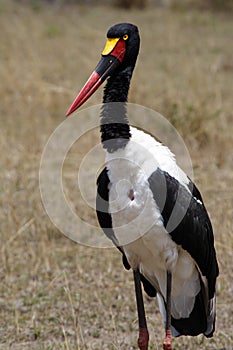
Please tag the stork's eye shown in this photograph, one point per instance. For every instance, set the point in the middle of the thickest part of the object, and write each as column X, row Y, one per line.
column 125, row 37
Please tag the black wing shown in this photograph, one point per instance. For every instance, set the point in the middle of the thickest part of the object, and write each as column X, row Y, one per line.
column 193, row 229
column 102, row 211
column 105, row 221
column 194, row 190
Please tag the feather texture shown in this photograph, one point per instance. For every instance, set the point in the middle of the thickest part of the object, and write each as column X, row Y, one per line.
column 139, row 228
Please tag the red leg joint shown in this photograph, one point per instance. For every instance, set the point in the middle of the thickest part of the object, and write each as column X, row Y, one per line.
column 167, row 344
column 143, row 339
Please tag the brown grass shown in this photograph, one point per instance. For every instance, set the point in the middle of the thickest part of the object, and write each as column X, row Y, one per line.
column 55, row 294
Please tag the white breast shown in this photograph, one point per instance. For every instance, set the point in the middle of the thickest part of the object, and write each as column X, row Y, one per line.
column 138, row 224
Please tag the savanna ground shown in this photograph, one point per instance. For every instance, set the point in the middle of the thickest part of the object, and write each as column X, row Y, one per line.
column 54, row 293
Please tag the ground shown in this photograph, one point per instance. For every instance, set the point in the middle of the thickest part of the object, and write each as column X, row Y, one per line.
column 54, row 293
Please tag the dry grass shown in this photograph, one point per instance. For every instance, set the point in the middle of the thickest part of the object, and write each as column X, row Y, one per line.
column 55, row 294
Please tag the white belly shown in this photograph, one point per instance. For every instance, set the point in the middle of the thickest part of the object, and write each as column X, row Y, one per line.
column 138, row 224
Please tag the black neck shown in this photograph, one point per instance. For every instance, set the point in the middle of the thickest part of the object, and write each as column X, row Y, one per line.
column 115, row 131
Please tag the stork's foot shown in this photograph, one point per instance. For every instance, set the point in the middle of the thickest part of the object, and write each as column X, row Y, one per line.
column 167, row 344
column 143, row 339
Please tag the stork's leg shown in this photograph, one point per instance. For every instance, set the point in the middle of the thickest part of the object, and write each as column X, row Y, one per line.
column 167, row 344
column 143, row 339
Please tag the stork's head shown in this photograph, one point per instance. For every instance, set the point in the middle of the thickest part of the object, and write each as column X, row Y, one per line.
column 120, row 52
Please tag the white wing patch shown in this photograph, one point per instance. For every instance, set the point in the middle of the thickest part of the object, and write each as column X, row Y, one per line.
column 161, row 154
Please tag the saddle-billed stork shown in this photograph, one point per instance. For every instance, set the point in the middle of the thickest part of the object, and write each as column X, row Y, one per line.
column 176, row 263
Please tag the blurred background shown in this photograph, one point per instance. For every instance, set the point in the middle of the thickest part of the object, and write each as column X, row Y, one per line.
column 54, row 293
